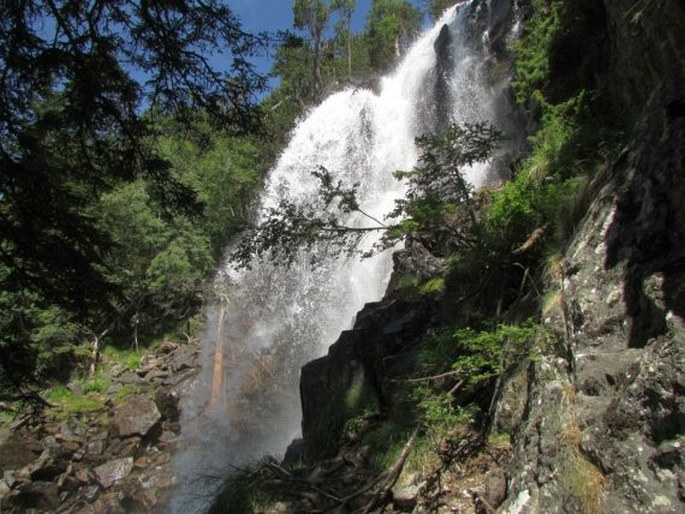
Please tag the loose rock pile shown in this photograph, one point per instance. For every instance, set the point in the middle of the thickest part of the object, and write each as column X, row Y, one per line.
column 117, row 459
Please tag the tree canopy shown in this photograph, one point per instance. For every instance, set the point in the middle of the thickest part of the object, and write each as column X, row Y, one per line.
column 83, row 86
column 391, row 26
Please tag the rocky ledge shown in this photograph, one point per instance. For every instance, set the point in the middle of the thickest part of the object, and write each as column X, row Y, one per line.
column 113, row 458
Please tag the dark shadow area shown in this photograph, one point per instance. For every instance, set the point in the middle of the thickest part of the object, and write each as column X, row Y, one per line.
column 648, row 229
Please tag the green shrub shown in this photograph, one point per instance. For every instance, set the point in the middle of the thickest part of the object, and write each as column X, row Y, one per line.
column 385, row 444
column 441, row 415
column 485, row 354
column 66, row 404
column 96, row 385
column 532, row 49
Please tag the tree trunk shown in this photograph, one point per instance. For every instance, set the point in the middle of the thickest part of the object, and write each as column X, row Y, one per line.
column 349, row 49
column 135, row 332
column 317, row 62
column 95, row 354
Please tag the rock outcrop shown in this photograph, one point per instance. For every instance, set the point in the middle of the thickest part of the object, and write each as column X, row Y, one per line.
column 355, row 375
column 113, row 459
column 600, row 424
column 604, row 418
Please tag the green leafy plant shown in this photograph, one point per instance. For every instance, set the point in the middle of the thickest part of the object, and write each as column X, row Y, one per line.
column 441, row 415
column 126, row 391
column 385, row 444
column 486, row 354
column 532, row 49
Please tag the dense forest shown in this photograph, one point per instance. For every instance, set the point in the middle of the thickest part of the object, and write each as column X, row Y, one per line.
column 129, row 163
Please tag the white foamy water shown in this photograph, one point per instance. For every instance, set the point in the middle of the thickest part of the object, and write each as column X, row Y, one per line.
column 272, row 319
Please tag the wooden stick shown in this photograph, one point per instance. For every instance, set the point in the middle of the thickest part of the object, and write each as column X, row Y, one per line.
column 393, row 473
column 425, row 379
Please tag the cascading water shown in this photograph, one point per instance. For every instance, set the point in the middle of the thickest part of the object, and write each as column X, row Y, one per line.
column 270, row 320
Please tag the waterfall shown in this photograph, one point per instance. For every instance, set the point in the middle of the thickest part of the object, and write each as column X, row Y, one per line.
column 270, row 320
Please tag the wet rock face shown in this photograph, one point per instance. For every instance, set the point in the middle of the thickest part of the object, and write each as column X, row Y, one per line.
column 443, row 71
column 647, row 45
column 604, row 419
column 354, row 375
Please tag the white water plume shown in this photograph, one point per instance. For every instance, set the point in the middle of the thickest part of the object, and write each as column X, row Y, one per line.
column 244, row 402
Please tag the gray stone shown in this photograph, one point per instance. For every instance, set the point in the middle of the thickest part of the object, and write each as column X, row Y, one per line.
column 113, row 471
column 130, row 378
column 9, row 477
column 130, row 447
column 110, row 504
column 90, row 492
column 51, row 463
column 137, row 416
column 183, row 358
column 19, row 449
column 76, row 389
column 167, row 403
column 68, row 483
column 83, row 475
column 405, row 497
column 4, row 490
column 95, row 447
column 495, row 487
column 177, row 378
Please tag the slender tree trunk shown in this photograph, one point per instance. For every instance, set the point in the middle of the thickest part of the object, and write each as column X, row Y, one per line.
column 135, row 332
column 349, row 49
column 317, row 62
column 97, row 350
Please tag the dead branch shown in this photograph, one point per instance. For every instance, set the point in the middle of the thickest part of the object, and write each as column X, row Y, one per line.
column 456, row 387
column 359, row 492
column 392, row 474
column 532, row 239
column 426, row 379
column 285, row 476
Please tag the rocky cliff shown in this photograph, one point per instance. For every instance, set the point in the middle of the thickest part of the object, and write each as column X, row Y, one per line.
column 608, row 417
column 606, row 420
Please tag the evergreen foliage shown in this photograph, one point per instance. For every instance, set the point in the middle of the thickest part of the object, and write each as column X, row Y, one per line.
column 118, row 194
column 391, row 25
column 96, row 225
column 437, row 7
column 436, row 188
